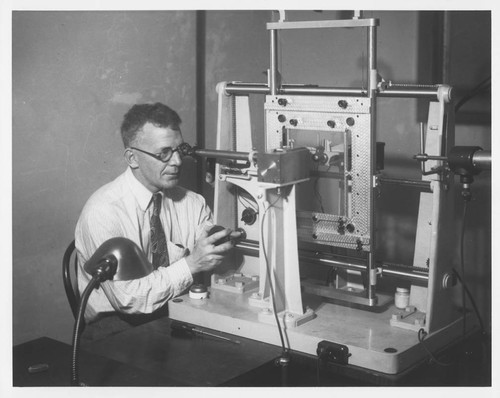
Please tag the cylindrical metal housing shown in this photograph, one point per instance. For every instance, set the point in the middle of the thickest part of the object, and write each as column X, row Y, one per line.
column 219, row 154
column 482, row 160
column 460, row 160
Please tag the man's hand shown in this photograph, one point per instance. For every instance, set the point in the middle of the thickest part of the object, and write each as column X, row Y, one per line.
column 205, row 255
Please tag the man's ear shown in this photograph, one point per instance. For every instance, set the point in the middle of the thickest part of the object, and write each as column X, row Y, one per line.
column 130, row 158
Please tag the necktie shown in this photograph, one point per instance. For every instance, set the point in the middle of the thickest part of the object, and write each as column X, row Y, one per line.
column 158, row 240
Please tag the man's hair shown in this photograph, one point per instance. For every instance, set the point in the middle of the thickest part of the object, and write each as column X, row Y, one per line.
column 158, row 114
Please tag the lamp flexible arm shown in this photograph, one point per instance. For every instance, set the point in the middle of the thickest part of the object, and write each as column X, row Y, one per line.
column 94, row 282
column 118, row 258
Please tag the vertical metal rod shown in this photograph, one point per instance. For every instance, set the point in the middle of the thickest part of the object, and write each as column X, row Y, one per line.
column 274, row 74
column 200, row 91
column 372, row 91
column 372, row 278
column 422, row 147
column 372, row 60
column 445, row 61
column 373, row 244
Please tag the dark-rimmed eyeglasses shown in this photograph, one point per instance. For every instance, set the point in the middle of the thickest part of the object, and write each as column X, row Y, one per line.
column 164, row 156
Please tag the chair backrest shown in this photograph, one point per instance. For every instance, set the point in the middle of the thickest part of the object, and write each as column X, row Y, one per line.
column 70, row 278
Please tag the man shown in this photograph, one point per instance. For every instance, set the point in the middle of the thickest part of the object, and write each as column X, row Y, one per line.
column 129, row 207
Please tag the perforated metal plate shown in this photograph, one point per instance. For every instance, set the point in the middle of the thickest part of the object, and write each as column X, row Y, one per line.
column 350, row 116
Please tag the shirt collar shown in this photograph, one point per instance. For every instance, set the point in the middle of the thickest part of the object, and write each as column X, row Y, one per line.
column 141, row 193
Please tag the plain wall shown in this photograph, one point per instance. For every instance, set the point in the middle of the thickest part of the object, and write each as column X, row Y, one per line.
column 76, row 73
column 74, row 76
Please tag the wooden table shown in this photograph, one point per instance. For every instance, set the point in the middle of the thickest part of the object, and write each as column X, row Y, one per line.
column 149, row 355
column 192, row 360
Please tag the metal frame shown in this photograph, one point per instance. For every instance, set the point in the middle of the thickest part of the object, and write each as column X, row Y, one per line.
column 366, row 333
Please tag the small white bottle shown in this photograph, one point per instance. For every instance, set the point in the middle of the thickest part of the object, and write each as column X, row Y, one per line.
column 402, row 298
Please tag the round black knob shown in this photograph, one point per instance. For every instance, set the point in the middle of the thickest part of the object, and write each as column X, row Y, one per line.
column 350, row 228
column 282, row 101
column 294, row 122
column 249, row 216
column 282, row 118
column 331, row 123
column 343, row 104
column 350, row 121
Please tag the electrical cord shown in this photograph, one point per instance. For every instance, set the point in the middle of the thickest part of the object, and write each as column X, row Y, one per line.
column 246, row 202
column 421, row 337
column 484, row 85
column 271, row 288
column 465, row 289
column 316, row 190
column 462, row 266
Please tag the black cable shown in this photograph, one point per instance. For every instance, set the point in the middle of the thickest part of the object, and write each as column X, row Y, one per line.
column 485, row 84
column 94, row 282
column 421, row 336
column 248, row 202
column 284, row 350
column 462, row 266
column 465, row 289
column 473, row 303
column 316, row 190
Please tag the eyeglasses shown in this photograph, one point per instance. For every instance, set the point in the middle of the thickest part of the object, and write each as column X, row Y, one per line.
column 164, row 156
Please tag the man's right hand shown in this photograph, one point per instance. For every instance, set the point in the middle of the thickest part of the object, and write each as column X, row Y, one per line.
column 206, row 256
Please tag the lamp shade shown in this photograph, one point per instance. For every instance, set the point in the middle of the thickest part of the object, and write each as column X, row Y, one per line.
column 131, row 262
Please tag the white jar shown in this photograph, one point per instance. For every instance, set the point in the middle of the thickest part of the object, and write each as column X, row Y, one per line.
column 402, row 298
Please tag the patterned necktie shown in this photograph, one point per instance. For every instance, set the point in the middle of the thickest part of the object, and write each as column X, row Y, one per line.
column 158, row 240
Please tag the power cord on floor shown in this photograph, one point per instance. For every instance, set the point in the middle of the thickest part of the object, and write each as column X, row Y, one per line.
column 422, row 334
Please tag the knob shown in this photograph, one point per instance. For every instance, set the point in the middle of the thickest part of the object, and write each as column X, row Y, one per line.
column 282, row 101
column 331, row 123
column 282, row 118
column 249, row 216
column 294, row 122
column 343, row 104
column 350, row 121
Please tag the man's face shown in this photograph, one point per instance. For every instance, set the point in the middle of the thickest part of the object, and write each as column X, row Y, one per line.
column 153, row 173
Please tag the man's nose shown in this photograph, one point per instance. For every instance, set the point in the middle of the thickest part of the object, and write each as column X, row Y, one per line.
column 176, row 159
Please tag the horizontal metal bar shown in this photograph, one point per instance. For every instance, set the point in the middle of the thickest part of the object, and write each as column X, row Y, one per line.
column 252, row 248
column 324, row 91
column 297, row 89
column 339, row 23
column 422, row 185
column 219, row 154
column 428, row 93
column 247, row 88
column 413, row 276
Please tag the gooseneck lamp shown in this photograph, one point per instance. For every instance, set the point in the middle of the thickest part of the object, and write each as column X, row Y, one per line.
column 117, row 259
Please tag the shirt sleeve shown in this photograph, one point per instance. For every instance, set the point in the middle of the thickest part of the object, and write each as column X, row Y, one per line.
column 151, row 292
column 143, row 295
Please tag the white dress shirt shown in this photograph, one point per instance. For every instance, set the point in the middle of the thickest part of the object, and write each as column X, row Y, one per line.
column 122, row 208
